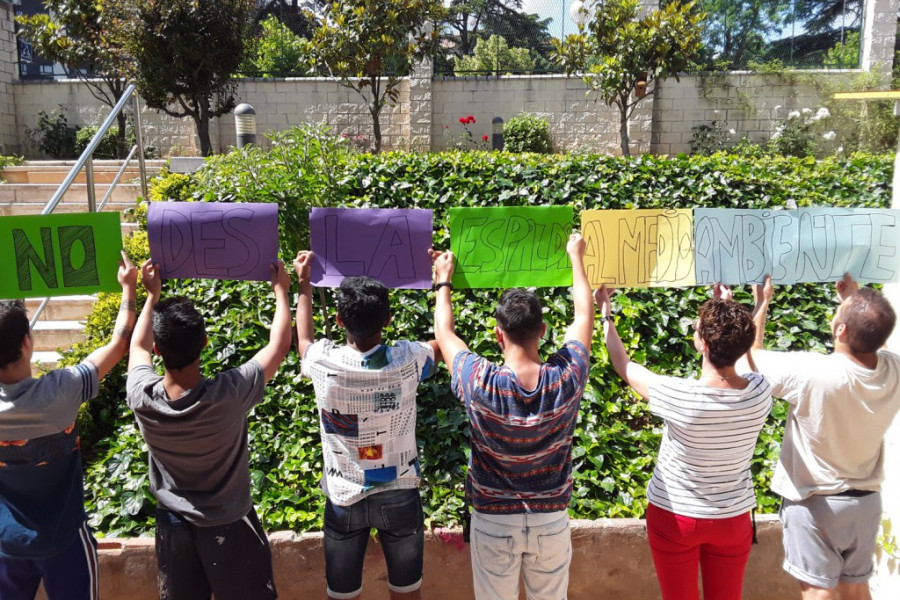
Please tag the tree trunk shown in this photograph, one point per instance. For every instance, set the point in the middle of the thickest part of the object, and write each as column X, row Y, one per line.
column 376, row 127
column 623, row 131
column 202, row 121
column 121, row 139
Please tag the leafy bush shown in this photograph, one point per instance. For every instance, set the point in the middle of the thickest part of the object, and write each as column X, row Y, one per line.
column 527, row 133
column 275, row 52
column 107, row 147
column 616, row 438
column 53, row 135
column 493, row 55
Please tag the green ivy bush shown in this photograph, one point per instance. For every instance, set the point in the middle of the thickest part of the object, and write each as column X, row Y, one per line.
column 527, row 133
column 53, row 135
column 616, row 438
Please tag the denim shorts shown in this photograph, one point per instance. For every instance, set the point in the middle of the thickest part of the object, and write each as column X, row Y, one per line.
column 397, row 515
column 536, row 546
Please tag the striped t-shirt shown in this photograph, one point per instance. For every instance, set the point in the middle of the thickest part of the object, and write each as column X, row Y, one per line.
column 703, row 468
column 521, row 439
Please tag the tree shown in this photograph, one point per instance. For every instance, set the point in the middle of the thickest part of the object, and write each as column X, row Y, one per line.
column 472, row 20
column 83, row 36
column 621, row 57
column 275, row 52
column 184, row 55
column 370, row 45
column 494, row 55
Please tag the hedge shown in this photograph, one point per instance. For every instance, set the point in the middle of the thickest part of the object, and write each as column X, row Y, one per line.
column 616, row 438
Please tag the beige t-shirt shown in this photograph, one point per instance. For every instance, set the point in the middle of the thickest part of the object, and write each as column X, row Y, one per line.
column 840, row 411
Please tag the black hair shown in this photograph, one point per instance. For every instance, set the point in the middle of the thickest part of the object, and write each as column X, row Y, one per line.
column 13, row 329
column 727, row 329
column 364, row 306
column 519, row 315
column 870, row 320
column 178, row 331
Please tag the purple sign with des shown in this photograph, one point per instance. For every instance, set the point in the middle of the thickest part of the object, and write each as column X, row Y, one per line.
column 213, row 240
column 388, row 244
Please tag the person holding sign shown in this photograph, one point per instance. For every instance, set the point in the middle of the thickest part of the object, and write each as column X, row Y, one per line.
column 208, row 538
column 701, row 492
column 366, row 396
column 522, row 416
column 43, row 526
column 831, row 464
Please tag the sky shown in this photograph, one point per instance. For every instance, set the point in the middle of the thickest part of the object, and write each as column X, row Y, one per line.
column 552, row 9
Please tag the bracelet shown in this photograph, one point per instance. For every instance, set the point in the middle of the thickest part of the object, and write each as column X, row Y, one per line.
column 441, row 284
column 609, row 318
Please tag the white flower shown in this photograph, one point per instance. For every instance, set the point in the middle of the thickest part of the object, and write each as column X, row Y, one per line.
column 777, row 133
column 794, row 114
column 807, row 111
column 821, row 114
column 716, row 111
column 731, row 131
column 777, row 108
column 840, row 149
column 829, row 136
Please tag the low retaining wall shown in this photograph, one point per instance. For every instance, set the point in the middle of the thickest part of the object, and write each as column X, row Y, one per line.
column 611, row 559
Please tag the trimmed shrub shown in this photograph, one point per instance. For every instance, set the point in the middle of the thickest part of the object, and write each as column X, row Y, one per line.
column 527, row 133
column 616, row 439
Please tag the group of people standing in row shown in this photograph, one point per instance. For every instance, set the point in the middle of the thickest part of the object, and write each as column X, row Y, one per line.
column 522, row 416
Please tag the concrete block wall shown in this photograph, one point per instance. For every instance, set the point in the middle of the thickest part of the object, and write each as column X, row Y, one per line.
column 610, row 560
column 9, row 73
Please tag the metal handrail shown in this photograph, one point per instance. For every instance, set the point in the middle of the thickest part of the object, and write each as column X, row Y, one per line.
column 86, row 161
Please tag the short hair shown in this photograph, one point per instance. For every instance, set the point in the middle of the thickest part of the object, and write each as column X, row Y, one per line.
column 870, row 320
column 727, row 329
column 14, row 327
column 519, row 315
column 363, row 305
column 178, row 332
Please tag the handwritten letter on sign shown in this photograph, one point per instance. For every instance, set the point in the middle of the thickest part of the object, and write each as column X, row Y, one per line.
column 213, row 240
column 59, row 255
column 809, row 244
column 511, row 246
column 638, row 248
column 390, row 245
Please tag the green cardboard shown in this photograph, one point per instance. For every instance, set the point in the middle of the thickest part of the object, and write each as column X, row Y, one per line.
column 59, row 255
column 511, row 246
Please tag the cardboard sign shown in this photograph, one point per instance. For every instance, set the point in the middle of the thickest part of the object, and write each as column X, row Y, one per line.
column 511, row 246
column 639, row 248
column 213, row 240
column 59, row 255
column 390, row 245
column 809, row 244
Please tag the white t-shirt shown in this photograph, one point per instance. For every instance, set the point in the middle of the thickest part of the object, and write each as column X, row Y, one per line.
column 840, row 411
column 703, row 468
column 367, row 413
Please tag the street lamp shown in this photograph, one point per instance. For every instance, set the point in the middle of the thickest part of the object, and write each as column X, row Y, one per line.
column 245, row 124
column 579, row 14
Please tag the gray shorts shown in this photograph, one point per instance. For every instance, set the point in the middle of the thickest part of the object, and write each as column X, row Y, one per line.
column 831, row 539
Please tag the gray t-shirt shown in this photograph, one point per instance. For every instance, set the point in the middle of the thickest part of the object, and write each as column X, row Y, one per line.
column 199, row 464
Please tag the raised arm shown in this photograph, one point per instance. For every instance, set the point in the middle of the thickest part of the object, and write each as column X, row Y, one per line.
column 762, row 296
column 444, row 331
column 106, row 357
column 272, row 355
column 142, row 341
column 582, row 327
column 635, row 375
column 305, row 332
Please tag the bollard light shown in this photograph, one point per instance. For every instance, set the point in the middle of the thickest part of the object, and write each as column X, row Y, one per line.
column 497, row 137
column 245, row 124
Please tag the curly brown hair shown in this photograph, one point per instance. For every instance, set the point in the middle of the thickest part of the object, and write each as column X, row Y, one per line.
column 727, row 329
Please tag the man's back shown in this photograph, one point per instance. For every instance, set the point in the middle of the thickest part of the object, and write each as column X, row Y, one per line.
column 367, row 407
column 198, row 443
column 840, row 412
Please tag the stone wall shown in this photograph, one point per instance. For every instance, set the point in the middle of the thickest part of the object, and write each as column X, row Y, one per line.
column 9, row 69
column 611, row 560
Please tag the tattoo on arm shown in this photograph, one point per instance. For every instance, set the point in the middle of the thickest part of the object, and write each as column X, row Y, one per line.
column 128, row 306
column 124, row 332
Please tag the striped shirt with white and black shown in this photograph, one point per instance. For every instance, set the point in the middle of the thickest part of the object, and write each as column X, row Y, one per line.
column 703, row 468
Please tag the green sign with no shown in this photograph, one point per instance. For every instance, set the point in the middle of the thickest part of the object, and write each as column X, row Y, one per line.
column 59, row 255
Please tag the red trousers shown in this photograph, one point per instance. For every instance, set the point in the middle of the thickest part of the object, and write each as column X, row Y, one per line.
column 720, row 547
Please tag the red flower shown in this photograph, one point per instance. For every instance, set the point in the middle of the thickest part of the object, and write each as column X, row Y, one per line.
column 484, row 137
column 470, row 119
column 463, row 120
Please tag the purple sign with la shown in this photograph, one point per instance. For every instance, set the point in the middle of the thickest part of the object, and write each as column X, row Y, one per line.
column 388, row 244
column 213, row 240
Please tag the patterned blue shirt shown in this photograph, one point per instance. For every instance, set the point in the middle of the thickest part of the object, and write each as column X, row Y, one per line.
column 521, row 439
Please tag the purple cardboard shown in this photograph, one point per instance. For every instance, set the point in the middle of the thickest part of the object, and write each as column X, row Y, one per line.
column 388, row 244
column 213, row 240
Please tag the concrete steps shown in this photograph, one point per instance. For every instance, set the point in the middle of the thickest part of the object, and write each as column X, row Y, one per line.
column 54, row 171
